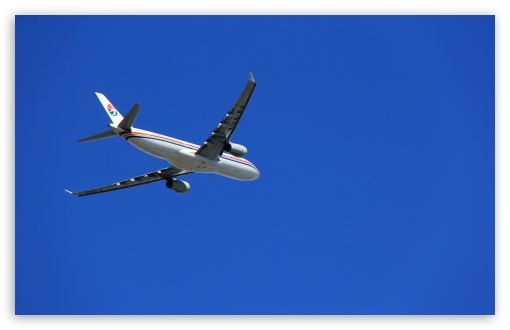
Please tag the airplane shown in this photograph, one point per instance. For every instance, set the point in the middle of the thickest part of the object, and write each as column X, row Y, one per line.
column 216, row 155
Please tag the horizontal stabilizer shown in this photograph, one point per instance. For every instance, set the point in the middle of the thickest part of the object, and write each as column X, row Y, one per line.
column 107, row 134
column 128, row 121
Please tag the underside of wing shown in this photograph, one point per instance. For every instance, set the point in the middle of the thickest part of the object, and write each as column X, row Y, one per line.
column 215, row 144
column 163, row 174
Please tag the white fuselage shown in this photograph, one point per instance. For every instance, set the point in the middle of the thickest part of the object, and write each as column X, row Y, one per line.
column 183, row 155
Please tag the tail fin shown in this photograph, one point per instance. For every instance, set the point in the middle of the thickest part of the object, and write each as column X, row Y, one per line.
column 115, row 116
column 117, row 119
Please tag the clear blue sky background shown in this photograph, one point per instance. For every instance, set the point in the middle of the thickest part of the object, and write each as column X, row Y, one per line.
column 374, row 136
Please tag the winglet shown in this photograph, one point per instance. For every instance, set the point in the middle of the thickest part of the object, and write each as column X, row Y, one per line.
column 251, row 77
column 69, row 192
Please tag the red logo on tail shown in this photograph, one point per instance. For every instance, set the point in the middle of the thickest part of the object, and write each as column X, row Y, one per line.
column 111, row 109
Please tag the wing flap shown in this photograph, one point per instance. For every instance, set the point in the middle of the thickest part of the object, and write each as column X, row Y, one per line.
column 163, row 174
column 215, row 143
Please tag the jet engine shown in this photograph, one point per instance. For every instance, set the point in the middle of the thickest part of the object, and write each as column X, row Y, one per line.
column 236, row 149
column 180, row 186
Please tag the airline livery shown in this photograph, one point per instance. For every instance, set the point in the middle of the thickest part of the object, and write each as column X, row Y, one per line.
column 216, row 155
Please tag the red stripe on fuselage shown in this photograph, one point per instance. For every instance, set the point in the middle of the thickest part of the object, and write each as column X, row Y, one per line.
column 181, row 143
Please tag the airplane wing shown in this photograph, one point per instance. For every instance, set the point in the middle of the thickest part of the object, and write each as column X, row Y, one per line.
column 214, row 145
column 163, row 174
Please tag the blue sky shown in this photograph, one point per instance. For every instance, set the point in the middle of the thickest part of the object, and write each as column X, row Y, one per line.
column 374, row 136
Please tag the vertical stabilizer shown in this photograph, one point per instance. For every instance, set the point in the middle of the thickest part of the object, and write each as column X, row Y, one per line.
column 115, row 115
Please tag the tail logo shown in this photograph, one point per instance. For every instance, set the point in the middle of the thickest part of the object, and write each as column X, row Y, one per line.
column 112, row 110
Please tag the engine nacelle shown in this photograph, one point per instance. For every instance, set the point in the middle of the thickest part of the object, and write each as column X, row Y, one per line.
column 180, row 186
column 236, row 149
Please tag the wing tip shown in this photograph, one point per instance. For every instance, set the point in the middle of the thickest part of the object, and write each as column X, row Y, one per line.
column 251, row 77
column 69, row 192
